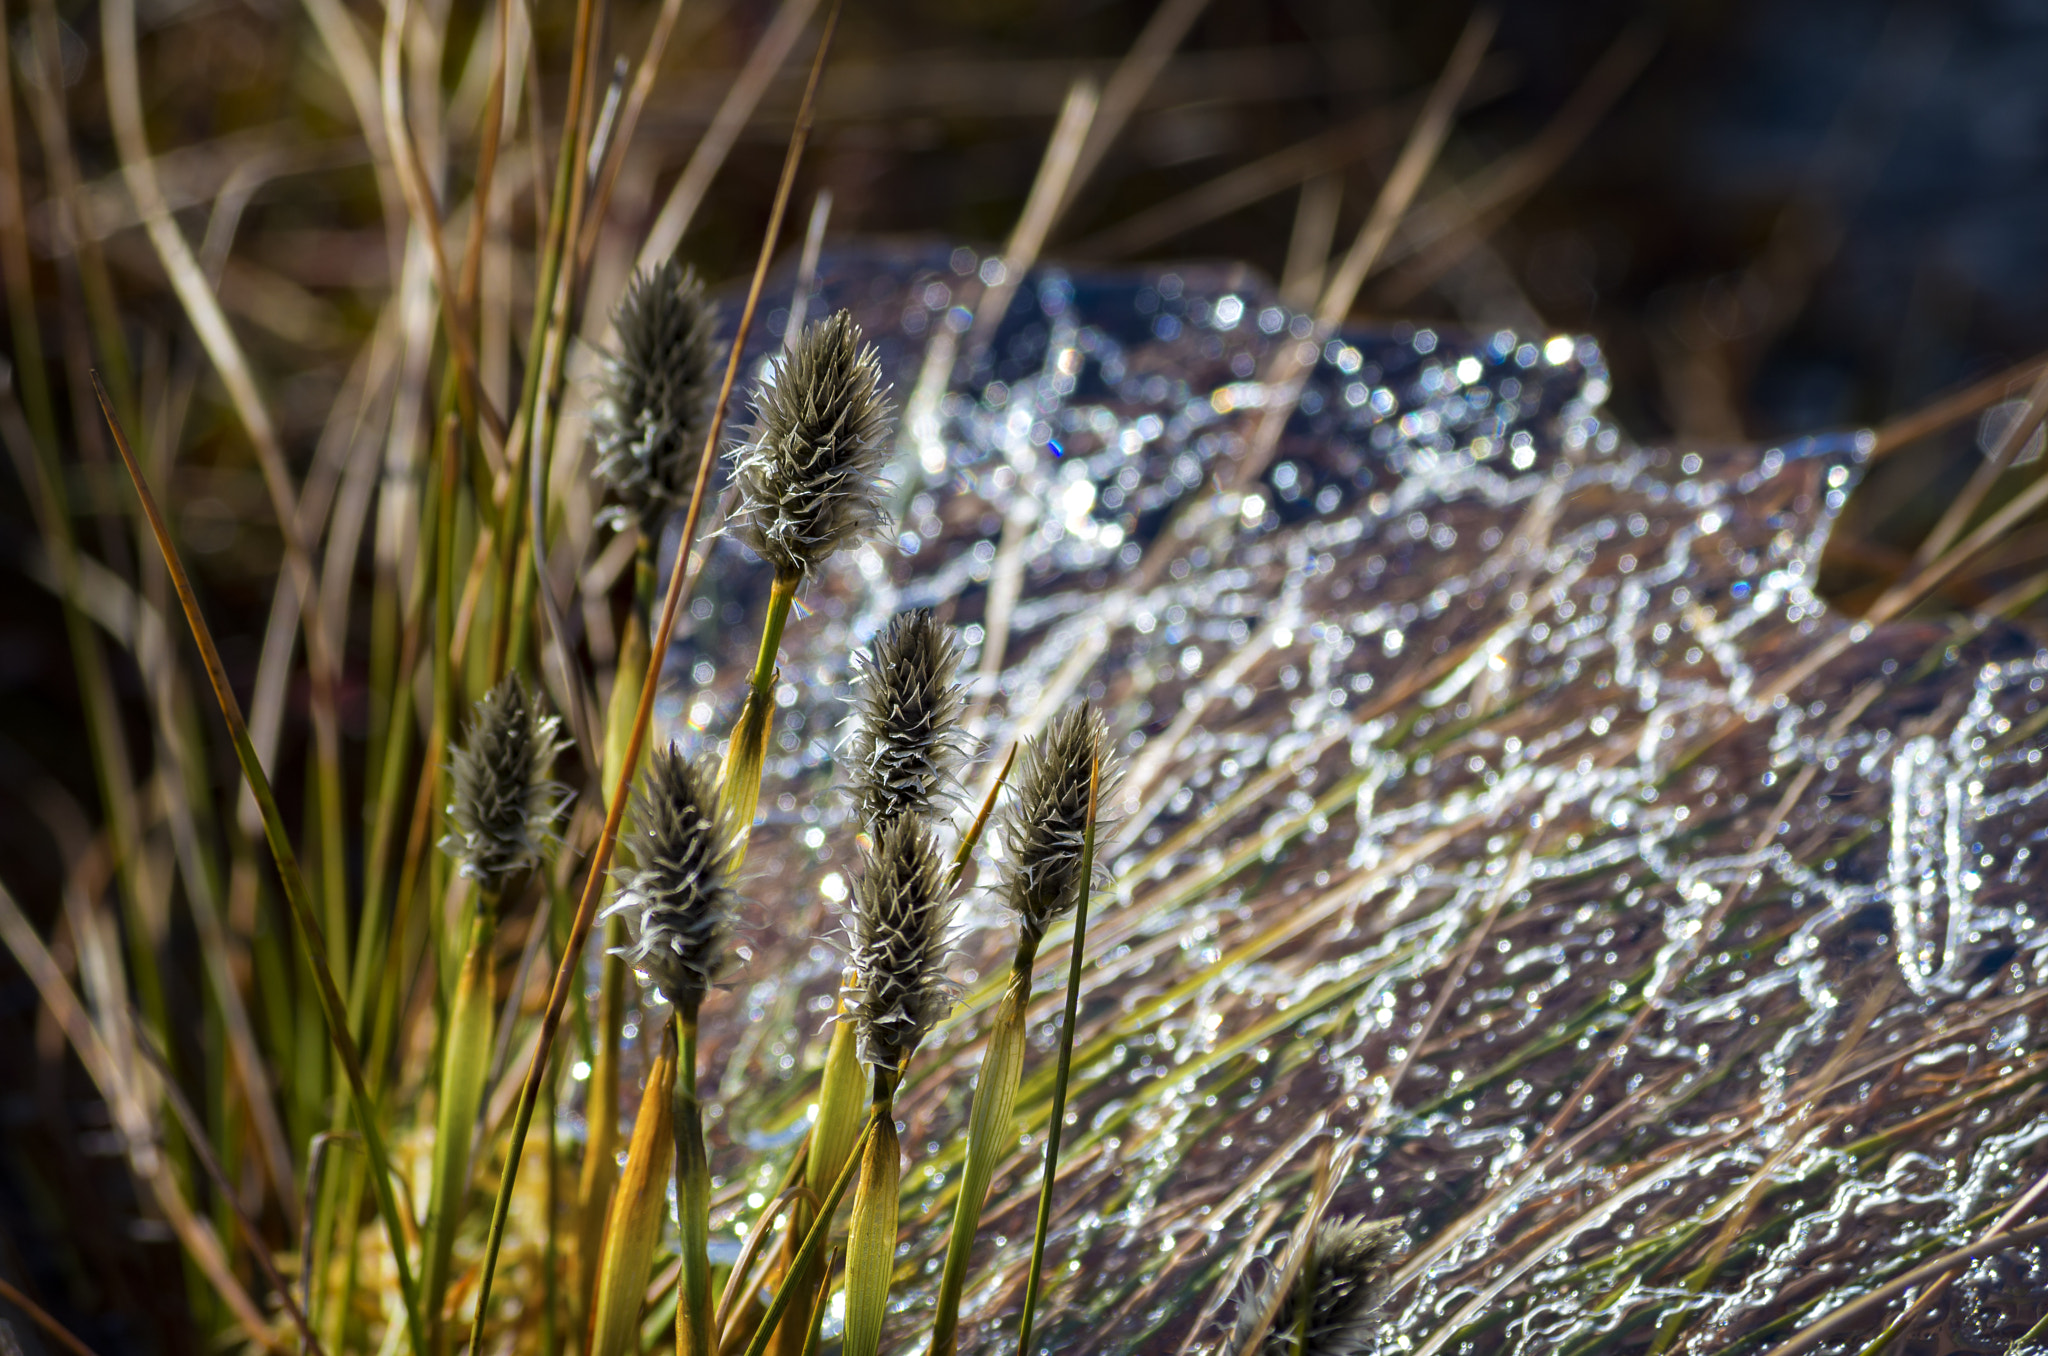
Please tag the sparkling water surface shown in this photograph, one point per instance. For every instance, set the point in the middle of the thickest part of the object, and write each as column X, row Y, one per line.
column 1466, row 827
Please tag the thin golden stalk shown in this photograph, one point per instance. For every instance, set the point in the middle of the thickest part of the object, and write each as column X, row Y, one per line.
column 39, row 1316
column 1293, row 362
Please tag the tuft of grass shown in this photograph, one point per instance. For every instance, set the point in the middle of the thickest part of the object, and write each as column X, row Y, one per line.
column 1244, row 995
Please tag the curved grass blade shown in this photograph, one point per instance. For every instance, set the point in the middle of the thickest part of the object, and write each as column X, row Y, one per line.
column 678, row 586
column 634, row 1223
column 294, row 884
column 871, row 1235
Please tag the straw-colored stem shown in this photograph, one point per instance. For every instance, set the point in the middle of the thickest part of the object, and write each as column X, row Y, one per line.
column 1057, row 1121
column 842, row 1098
column 739, row 789
column 465, row 1065
column 991, row 1134
column 633, row 1225
column 693, row 1200
column 813, row 1250
column 871, row 1232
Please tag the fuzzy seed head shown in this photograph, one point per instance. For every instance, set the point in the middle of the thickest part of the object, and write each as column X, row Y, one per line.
column 654, row 405
column 899, row 925
column 809, row 474
column 1353, row 1263
column 907, row 739
column 503, row 811
column 679, row 896
column 1046, row 819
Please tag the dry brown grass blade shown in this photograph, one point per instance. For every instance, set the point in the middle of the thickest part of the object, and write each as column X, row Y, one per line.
column 628, row 123
column 125, row 1105
column 1293, row 362
column 791, row 18
column 203, row 309
column 678, row 587
column 1893, row 602
column 1324, row 153
column 304, row 916
column 1957, row 515
column 1049, row 189
column 1444, row 234
column 1308, row 244
column 252, row 1237
column 1950, row 410
column 37, row 1315
column 419, row 200
column 1127, row 85
column 807, row 267
column 1867, row 1308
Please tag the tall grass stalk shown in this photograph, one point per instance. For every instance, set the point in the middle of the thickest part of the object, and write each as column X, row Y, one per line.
column 1057, row 1121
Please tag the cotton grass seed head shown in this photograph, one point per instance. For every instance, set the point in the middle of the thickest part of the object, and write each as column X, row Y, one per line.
column 1353, row 1263
column 654, row 406
column 502, row 815
column 809, row 474
column 679, row 896
column 1046, row 819
column 907, row 739
column 899, row 925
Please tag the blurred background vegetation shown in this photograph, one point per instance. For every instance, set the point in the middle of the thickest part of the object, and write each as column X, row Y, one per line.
column 1777, row 219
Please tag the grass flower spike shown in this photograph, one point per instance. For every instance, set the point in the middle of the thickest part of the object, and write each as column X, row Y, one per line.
column 679, row 897
column 503, row 815
column 503, row 810
column 900, row 923
column 1047, row 817
column 809, row 476
column 655, row 403
column 1347, row 1274
column 907, row 739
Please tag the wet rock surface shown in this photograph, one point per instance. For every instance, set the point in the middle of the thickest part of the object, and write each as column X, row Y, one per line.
column 1502, row 807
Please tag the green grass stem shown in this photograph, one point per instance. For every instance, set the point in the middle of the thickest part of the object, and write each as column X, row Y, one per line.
column 813, row 1248
column 1057, row 1121
column 739, row 789
column 678, row 587
column 465, row 1067
column 693, row 1201
column 991, row 1135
